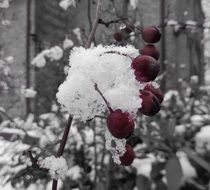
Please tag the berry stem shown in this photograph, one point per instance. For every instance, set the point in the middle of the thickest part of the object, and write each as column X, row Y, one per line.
column 101, row 94
column 95, row 24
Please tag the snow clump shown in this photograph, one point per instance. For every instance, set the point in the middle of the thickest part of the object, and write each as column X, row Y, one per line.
column 110, row 68
column 57, row 166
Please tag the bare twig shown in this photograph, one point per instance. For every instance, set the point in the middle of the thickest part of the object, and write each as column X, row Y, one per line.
column 101, row 94
column 107, row 23
column 95, row 24
column 62, row 146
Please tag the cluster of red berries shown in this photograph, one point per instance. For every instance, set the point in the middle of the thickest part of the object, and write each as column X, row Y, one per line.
column 146, row 68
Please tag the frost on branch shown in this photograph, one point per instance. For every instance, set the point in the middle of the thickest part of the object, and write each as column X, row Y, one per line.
column 110, row 68
column 57, row 166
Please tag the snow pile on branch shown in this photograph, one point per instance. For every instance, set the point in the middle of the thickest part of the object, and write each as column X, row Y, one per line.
column 133, row 4
column 54, row 53
column 202, row 140
column 28, row 92
column 110, row 68
column 75, row 172
column 65, row 4
column 4, row 4
column 57, row 166
column 144, row 166
column 68, row 43
column 187, row 169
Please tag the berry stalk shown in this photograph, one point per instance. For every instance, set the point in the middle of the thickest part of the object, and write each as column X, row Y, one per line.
column 101, row 94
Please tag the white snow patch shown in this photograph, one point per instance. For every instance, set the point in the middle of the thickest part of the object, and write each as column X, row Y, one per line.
column 202, row 140
column 187, row 169
column 144, row 166
column 4, row 4
column 57, row 166
column 28, row 92
column 74, row 172
column 65, row 4
column 68, row 43
column 110, row 71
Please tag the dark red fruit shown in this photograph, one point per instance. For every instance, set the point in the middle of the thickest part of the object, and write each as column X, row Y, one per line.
column 146, row 68
column 150, row 50
column 129, row 28
column 156, row 91
column 120, row 124
column 150, row 104
column 118, row 36
column 151, row 34
column 128, row 157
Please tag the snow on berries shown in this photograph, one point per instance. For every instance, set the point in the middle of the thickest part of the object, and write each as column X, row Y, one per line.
column 118, row 80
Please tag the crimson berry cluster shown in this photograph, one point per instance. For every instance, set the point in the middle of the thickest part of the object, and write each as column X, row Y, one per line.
column 146, row 68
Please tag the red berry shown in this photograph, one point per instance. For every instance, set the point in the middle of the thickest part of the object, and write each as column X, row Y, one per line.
column 150, row 104
column 146, row 68
column 128, row 157
column 156, row 91
column 151, row 34
column 150, row 50
column 118, row 36
column 129, row 28
column 120, row 124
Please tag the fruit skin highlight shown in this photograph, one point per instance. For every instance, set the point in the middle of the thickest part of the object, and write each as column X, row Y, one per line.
column 150, row 50
column 146, row 68
column 151, row 34
column 120, row 124
column 128, row 157
column 150, row 103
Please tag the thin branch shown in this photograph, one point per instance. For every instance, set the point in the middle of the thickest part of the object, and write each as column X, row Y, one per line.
column 107, row 23
column 95, row 24
column 62, row 146
column 101, row 94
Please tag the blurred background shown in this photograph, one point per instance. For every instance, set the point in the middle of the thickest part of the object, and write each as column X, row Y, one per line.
column 36, row 38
